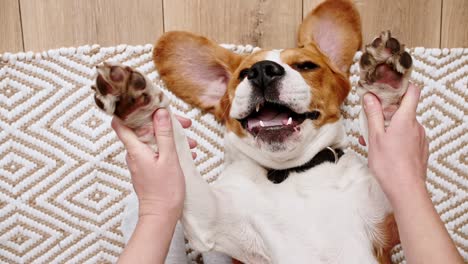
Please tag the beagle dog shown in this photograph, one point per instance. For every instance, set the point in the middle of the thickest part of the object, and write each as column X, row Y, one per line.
column 289, row 191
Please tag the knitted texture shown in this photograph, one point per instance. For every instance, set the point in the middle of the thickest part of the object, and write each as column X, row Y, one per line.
column 64, row 182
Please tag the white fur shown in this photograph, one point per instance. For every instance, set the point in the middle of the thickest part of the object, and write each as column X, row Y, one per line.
column 324, row 215
column 294, row 91
column 241, row 103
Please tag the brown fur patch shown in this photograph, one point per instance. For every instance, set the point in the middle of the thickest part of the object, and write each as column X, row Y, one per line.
column 178, row 53
column 222, row 113
column 340, row 17
column 329, row 87
column 390, row 238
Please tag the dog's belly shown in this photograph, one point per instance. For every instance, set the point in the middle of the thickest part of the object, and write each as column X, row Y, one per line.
column 324, row 215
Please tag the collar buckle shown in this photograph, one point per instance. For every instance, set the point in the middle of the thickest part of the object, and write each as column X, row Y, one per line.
column 334, row 154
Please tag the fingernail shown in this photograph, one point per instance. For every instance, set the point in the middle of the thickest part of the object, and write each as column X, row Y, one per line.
column 162, row 116
column 416, row 88
column 368, row 99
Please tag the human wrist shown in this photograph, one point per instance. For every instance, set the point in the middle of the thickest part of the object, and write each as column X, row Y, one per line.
column 159, row 210
column 157, row 223
column 401, row 185
column 400, row 195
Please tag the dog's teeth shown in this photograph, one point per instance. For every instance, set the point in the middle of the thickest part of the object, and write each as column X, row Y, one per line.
column 262, row 124
column 289, row 121
column 258, row 107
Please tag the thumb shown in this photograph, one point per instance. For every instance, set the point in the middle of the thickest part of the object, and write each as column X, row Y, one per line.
column 410, row 101
column 164, row 134
column 374, row 114
column 127, row 136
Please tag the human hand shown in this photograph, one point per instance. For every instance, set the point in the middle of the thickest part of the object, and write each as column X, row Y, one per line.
column 156, row 177
column 398, row 155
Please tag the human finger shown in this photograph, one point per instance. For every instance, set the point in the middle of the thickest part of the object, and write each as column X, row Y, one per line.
column 194, row 155
column 185, row 122
column 422, row 132
column 426, row 154
column 426, row 147
column 127, row 136
column 164, row 133
column 362, row 141
column 410, row 102
column 374, row 114
column 192, row 142
column 424, row 140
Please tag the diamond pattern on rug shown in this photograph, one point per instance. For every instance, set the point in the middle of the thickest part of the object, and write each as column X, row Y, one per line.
column 63, row 178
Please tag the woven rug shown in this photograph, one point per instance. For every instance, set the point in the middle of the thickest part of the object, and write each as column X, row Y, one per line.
column 63, row 180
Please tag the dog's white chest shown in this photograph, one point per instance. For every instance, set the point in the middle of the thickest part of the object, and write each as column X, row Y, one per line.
column 324, row 215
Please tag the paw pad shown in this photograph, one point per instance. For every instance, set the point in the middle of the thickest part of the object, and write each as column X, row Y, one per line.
column 405, row 60
column 393, row 45
column 126, row 93
column 385, row 49
column 385, row 70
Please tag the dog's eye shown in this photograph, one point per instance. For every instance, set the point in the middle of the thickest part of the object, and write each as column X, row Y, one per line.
column 243, row 74
column 305, row 66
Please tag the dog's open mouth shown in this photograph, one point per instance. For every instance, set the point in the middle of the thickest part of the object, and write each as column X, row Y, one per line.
column 274, row 122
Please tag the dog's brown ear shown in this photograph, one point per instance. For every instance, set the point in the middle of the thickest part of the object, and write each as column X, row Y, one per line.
column 335, row 27
column 194, row 68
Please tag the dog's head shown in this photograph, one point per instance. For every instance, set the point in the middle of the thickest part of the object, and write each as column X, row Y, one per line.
column 273, row 102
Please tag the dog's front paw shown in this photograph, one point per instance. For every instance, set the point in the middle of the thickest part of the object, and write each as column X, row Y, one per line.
column 127, row 94
column 131, row 96
column 385, row 72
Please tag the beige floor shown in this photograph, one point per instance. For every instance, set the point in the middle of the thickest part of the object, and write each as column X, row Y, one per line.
column 45, row 24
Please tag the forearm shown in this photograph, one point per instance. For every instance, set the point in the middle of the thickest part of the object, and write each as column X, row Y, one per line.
column 423, row 235
column 150, row 241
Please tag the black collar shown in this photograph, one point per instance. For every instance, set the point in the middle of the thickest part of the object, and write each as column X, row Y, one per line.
column 326, row 154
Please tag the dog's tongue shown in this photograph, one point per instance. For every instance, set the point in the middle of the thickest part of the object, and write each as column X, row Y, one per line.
column 269, row 117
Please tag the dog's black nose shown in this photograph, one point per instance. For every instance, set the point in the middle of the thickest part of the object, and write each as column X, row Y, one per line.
column 263, row 73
